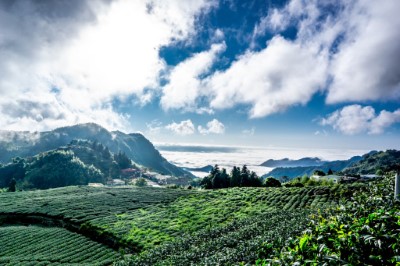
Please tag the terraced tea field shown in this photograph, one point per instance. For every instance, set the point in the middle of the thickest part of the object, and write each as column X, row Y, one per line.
column 140, row 219
column 34, row 245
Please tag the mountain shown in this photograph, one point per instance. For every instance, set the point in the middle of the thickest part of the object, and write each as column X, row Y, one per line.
column 293, row 172
column 307, row 161
column 135, row 145
column 374, row 161
column 205, row 169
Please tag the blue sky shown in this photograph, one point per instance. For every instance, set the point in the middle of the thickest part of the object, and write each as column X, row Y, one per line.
column 295, row 73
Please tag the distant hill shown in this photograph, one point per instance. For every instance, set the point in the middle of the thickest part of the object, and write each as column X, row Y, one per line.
column 135, row 145
column 374, row 161
column 205, row 169
column 307, row 161
column 292, row 172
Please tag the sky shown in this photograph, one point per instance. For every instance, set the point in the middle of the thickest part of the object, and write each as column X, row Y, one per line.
column 295, row 73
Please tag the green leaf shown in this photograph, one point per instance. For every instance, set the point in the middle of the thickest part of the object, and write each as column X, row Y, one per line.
column 303, row 242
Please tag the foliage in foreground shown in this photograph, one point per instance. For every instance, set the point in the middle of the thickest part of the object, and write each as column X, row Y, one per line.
column 363, row 231
column 142, row 218
column 238, row 242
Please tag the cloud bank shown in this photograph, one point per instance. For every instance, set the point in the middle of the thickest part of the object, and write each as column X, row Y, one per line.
column 355, row 119
column 347, row 50
column 68, row 60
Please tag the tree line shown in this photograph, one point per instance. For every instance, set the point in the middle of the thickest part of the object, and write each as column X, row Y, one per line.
column 238, row 177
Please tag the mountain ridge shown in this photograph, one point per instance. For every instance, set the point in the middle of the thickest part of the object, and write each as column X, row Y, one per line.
column 286, row 162
column 136, row 146
column 292, row 172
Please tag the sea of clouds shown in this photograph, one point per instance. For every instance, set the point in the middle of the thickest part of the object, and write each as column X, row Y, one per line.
column 194, row 156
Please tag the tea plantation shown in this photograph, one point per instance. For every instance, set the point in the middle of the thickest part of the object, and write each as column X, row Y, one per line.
column 158, row 225
column 34, row 245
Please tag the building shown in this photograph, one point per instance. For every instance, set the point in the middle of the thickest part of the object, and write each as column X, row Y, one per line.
column 369, row 176
column 333, row 178
column 116, row 182
column 96, row 185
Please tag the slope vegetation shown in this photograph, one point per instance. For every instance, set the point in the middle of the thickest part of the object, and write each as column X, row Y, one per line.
column 78, row 163
column 372, row 162
column 34, row 245
column 135, row 146
column 147, row 221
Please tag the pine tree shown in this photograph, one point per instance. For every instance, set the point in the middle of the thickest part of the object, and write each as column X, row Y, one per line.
column 12, row 185
column 244, row 177
column 235, row 177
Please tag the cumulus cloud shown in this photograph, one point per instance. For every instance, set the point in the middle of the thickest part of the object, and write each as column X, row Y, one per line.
column 362, row 38
column 283, row 74
column 185, row 86
column 366, row 65
column 355, row 119
column 183, row 128
column 355, row 42
column 80, row 55
column 213, row 127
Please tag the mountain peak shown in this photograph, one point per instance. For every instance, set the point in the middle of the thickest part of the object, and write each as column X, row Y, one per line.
column 136, row 146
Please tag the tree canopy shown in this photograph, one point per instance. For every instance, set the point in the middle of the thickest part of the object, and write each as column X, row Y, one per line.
column 219, row 178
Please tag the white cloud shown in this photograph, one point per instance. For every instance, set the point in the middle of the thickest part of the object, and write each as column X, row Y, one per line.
column 154, row 127
column 91, row 51
column 361, row 39
column 184, row 86
column 213, row 127
column 366, row 66
column 249, row 132
column 183, row 128
column 355, row 119
column 283, row 74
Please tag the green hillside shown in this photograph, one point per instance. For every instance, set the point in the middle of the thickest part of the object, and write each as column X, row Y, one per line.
column 78, row 163
column 370, row 163
column 234, row 226
column 147, row 221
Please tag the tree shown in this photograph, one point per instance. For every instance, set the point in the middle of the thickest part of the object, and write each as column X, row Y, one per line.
column 255, row 181
column 235, row 177
column 244, row 177
column 379, row 172
column 12, row 185
column 224, row 177
column 304, row 179
column 106, row 153
column 122, row 160
column 319, row 173
column 141, row 182
column 284, row 179
column 114, row 171
column 208, row 182
column 272, row 182
column 330, row 172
